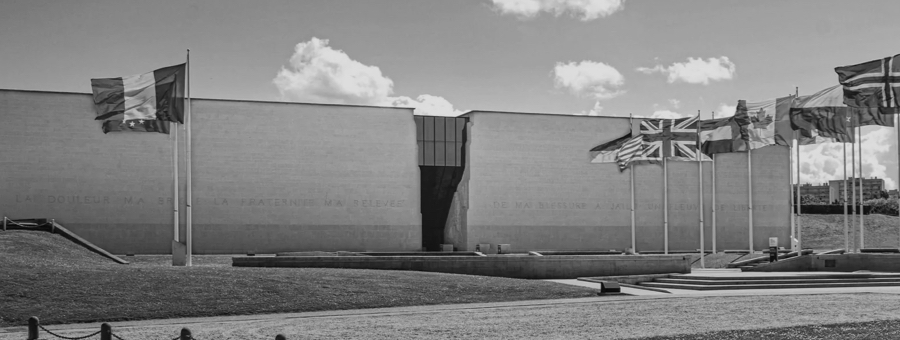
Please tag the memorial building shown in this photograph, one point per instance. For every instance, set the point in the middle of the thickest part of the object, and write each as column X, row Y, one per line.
column 274, row 176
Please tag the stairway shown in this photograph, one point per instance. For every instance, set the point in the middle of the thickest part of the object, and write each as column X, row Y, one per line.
column 831, row 280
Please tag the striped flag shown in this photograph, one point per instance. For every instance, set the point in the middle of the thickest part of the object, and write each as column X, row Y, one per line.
column 872, row 84
column 607, row 152
column 628, row 151
column 144, row 102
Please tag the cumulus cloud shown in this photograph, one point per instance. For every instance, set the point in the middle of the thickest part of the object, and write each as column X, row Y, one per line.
column 666, row 114
column 695, row 71
column 820, row 163
column 594, row 111
column 586, row 10
column 428, row 105
column 725, row 110
column 675, row 103
column 589, row 79
column 318, row 73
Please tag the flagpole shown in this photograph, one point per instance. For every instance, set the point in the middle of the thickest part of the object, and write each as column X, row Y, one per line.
column 750, row 196
column 700, row 178
column 862, row 229
column 187, row 154
column 853, row 187
column 791, row 184
column 844, row 199
column 631, row 164
column 665, row 203
column 174, row 128
column 714, row 197
column 799, row 202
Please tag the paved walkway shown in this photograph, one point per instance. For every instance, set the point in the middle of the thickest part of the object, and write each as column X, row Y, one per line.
column 520, row 318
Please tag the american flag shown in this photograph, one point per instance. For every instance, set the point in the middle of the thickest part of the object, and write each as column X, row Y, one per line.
column 628, row 151
column 872, row 84
column 675, row 139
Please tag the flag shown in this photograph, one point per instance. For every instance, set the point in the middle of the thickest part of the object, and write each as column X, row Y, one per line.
column 156, row 96
column 606, row 152
column 826, row 113
column 675, row 139
column 629, row 151
column 872, row 84
column 722, row 135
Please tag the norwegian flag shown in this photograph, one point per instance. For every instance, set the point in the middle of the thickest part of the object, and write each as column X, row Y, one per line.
column 675, row 139
column 874, row 83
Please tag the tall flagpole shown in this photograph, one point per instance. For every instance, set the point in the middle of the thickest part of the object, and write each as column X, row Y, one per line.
column 714, row 197
column 791, row 185
column 853, row 187
column 844, row 199
column 700, row 178
column 187, row 154
column 799, row 202
column 631, row 164
column 862, row 229
column 174, row 128
column 750, row 195
column 665, row 202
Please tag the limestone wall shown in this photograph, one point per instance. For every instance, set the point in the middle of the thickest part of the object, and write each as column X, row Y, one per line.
column 531, row 185
column 267, row 177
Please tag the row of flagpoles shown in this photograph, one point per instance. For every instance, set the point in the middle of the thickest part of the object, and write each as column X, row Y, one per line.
column 868, row 84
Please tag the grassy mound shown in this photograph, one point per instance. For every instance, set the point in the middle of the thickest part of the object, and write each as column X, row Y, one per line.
column 47, row 276
column 827, row 231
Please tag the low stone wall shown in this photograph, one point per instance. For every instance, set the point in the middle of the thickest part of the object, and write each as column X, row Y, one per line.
column 835, row 263
column 513, row 266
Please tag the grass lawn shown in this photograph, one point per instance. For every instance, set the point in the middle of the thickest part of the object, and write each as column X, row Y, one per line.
column 872, row 330
column 50, row 277
column 823, row 232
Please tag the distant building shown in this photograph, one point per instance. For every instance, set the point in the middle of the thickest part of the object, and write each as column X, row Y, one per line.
column 872, row 188
column 820, row 192
column 894, row 194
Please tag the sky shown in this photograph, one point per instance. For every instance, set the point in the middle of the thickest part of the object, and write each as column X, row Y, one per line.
column 582, row 57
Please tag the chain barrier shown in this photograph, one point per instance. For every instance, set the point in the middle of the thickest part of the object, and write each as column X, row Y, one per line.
column 65, row 337
column 105, row 332
column 30, row 226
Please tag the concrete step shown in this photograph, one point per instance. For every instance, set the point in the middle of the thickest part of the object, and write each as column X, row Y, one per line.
column 778, row 277
column 745, row 281
column 769, row 286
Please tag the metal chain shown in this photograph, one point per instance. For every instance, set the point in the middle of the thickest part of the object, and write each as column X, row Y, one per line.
column 65, row 337
column 27, row 226
column 117, row 337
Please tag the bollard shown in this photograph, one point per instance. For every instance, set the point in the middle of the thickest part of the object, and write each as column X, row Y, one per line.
column 105, row 331
column 33, row 323
column 280, row 337
column 186, row 334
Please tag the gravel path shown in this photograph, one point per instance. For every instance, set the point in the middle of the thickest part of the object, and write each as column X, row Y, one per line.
column 601, row 318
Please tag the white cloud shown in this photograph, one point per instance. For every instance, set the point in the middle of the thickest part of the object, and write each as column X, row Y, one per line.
column 675, row 103
column 666, row 114
column 823, row 162
column 428, row 105
column 594, row 111
column 319, row 73
column 585, row 9
column 695, row 71
column 589, row 79
column 725, row 110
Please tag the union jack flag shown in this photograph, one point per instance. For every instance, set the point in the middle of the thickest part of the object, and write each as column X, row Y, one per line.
column 675, row 139
column 874, row 83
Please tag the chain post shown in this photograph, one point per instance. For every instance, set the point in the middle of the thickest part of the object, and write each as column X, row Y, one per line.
column 186, row 334
column 4, row 223
column 280, row 337
column 33, row 323
column 53, row 225
column 105, row 331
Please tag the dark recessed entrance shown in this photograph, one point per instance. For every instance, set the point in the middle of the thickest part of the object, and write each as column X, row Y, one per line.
column 441, row 143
